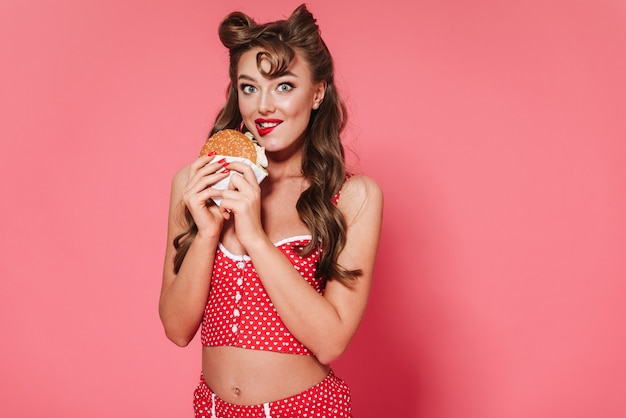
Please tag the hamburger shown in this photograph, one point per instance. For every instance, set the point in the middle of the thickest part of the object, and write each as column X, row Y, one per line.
column 236, row 146
column 233, row 143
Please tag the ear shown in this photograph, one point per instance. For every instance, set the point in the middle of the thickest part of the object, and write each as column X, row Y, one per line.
column 318, row 97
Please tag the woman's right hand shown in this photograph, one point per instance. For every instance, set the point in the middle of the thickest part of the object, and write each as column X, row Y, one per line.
column 182, row 302
column 197, row 194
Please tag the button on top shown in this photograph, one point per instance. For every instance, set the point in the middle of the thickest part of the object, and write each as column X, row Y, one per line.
column 241, row 265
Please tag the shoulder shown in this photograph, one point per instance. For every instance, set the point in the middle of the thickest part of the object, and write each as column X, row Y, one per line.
column 180, row 177
column 361, row 187
column 359, row 192
column 182, row 173
column 179, row 181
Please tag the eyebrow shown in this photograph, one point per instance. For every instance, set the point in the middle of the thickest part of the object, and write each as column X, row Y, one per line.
column 246, row 77
column 249, row 78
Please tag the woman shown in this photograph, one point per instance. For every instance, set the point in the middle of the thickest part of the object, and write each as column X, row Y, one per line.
column 278, row 275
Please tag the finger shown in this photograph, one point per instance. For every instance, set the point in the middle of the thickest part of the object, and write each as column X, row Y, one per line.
column 204, row 198
column 232, row 200
column 230, row 195
column 206, row 165
column 235, row 181
column 243, row 182
column 226, row 213
column 211, row 169
column 245, row 169
column 203, row 167
column 201, row 182
column 201, row 161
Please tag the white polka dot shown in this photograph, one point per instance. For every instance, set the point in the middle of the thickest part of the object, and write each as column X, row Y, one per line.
column 237, row 292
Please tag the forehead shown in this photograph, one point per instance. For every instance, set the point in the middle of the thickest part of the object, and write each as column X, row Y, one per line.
column 248, row 65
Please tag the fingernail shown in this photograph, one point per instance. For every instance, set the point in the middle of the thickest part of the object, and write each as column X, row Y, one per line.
column 222, row 161
column 210, row 154
column 225, row 164
column 224, row 171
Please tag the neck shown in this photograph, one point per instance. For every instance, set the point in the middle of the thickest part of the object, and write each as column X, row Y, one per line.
column 278, row 169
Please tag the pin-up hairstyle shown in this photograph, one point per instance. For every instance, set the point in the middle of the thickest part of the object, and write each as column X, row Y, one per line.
column 323, row 162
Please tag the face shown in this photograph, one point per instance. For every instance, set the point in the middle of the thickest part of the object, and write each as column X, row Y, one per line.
column 277, row 110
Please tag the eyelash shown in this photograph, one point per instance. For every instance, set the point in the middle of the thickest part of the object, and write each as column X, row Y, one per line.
column 245, row 88
column 291, row 86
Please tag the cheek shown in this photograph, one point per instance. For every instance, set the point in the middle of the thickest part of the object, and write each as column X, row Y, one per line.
column 296, row 107
column 245, row 107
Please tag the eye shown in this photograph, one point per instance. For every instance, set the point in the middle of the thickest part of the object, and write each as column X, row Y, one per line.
column 285, row 87
column 247, row 89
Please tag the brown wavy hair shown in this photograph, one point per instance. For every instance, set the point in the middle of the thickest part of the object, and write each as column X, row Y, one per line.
column 323, row 161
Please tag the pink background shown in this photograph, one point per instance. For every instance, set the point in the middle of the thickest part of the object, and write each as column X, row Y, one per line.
column 496, row 130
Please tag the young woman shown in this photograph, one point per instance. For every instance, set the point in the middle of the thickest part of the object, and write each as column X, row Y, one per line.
column 278, row 275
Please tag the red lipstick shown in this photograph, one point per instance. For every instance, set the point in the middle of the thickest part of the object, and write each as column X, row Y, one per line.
column 265, row 126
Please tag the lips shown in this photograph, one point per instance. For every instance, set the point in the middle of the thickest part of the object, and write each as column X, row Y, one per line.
column 265, row 126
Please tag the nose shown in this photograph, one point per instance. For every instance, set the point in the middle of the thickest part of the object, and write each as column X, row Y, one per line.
column 266, row 103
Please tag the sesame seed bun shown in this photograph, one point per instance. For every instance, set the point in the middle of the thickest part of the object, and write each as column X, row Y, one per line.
column 232, row 143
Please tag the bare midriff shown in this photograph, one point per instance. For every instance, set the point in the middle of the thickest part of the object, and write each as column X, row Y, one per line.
column 251, row 377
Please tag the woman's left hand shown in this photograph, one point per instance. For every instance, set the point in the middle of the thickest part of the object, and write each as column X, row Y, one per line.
column 243, row 200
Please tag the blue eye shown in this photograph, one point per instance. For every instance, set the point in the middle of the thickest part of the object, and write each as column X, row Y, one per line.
column 247, row 89
column 285, row 87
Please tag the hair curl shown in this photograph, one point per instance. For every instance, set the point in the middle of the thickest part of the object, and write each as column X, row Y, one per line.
column 323, row 161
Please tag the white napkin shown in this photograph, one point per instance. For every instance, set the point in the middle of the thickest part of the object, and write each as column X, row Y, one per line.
column 223, row 184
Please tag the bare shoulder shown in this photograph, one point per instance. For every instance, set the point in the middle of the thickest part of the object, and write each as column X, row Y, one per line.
column 360, row 193
column 359, row 189
column 179, row 180
column 181, row 175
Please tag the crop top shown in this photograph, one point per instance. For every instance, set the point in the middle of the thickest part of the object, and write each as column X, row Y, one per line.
column 239, row 312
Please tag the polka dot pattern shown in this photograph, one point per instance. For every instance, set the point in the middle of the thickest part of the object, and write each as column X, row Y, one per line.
column 240, row 313
column 330, row 399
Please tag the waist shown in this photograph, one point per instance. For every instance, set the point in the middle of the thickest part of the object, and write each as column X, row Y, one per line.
column 247, row 377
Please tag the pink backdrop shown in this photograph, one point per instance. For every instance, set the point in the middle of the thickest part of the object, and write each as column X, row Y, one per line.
column 496, row 130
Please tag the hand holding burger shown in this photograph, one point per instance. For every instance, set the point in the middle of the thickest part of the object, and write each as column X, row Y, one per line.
column 234, row 145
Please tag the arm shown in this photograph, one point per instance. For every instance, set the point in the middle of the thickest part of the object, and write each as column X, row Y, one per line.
column 184, row 295
column 326, row 324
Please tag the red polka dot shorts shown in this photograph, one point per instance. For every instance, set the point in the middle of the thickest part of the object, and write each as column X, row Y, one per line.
column 328, row 399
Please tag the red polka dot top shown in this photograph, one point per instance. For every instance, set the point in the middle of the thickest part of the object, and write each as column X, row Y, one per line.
column 240, row 313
